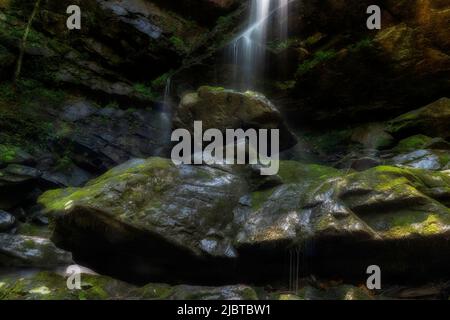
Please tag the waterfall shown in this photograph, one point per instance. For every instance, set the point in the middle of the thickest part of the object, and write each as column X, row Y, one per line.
column 249, row 47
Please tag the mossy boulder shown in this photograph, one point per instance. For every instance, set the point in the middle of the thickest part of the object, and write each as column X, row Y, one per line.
column 225, row 109
column 432, row 119
column 420, row 141
column 47, row 285
column 423, row 159
column 161, row 212
column 344, row 220
column 372, row 136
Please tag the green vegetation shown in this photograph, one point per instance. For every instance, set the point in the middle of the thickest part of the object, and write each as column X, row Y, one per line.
column 21, row 113
column 318, row 58
column 412, row 143
column 23, row 43
column 279, row 46
column 146, row 91
column 7, row 153
column 178, row 43
column 286, row 85
column 160, row 82
column 361, row 45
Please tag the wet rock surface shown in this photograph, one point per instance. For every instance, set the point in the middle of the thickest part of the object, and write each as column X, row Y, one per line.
column 35, row 252
column 384, row 209
column 233, row 110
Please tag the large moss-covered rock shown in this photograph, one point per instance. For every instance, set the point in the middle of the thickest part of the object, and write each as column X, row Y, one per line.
column 380, row 203
column 48, row 285
column 158, row 211
column 147, row 212
column 227, row 109
column 421, row 141
column 432, row 119
column 342, row 223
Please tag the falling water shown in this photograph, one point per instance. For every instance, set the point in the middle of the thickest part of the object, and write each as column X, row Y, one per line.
column 248, row 48
column 163, row 117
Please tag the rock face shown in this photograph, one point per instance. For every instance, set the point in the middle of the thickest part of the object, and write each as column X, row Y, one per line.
column 106, row 61
column 226, row 109
column 366, row 74
column 154, row 214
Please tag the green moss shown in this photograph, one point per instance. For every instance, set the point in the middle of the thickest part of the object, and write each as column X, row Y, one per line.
column 297, row 172
column 249, row 294
column 415, row 222
column 363, row 44
column 8, row 153
column 330, row 141
column 260, row 197
column 280, row 46
column 153, row 175
column 212, row 89
column 286, row 85
column 160, row 82
column 145, row 91
column 179, row 44
column 444, row 159
column 412, row 143
column 52, row 286
column 33, row 230
column 319, row 58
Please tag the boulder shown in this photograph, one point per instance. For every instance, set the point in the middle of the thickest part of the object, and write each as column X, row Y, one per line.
column 223, row 109
column 423, row 159
column 432, row 119
column 47, row 285
column 35, row 252
column 421, row 141
column 15, row 183
column 385, row 215
column 154, row 209
column 7, row 221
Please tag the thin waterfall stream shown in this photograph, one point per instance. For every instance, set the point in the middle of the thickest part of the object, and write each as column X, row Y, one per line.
column 248, row 49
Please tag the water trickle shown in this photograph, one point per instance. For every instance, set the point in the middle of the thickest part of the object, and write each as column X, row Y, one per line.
column 248, row 48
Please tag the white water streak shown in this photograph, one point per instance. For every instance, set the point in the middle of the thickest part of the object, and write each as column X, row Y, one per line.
column 250, row 46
